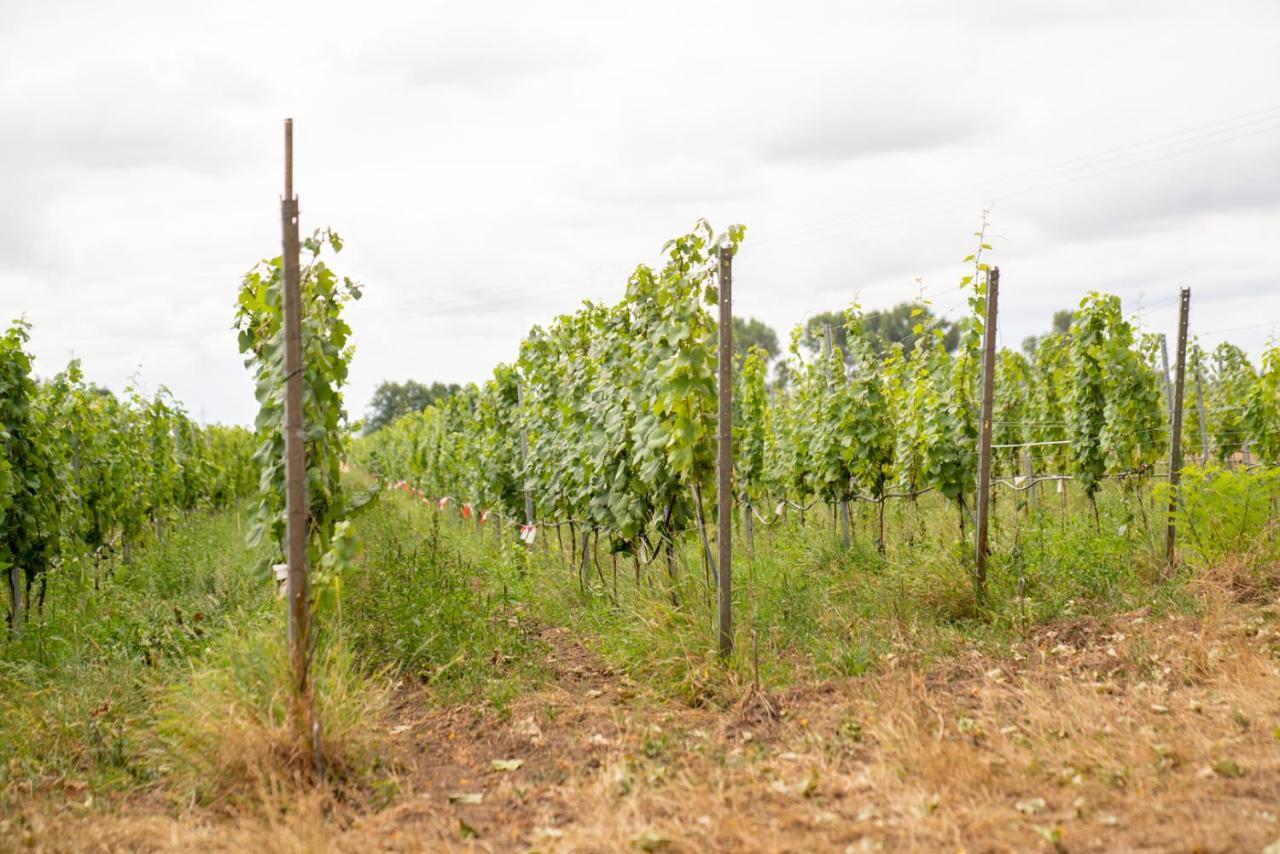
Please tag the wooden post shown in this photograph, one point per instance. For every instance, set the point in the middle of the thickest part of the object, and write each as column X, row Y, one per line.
column 524, row 457
column 1168, row 389
column 295, row 466
column 1175, row 433
column 1204, row 429
column 984, row 437
column 724, row 489
column 846, row 524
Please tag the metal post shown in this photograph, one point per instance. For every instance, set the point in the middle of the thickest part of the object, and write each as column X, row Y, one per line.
column 846, row 523
column 524, row 457
column 984, row 438
column 724, row 489
column 1175, row 433
column 294, row 447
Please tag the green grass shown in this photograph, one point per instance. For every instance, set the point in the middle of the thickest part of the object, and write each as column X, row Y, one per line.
column 429, row 607
column 171, row 672
column 807, row 607
column 78, row 685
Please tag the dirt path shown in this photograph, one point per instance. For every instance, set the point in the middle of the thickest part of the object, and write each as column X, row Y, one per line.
column 517, row 780
column 1135, row 734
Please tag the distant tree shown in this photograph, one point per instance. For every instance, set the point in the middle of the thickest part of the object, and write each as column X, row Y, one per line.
column 881, row 328
column 1061, row 325
column 391, row 400
column 749, row 332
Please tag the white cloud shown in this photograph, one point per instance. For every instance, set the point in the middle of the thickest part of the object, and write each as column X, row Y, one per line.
column 492, row 164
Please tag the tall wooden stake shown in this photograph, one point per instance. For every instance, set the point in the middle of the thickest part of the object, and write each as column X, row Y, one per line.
column 724, row 473
column 846, row 523
column 1175, row 433
column 524, row 455
column 984, row 438
column 295, row 466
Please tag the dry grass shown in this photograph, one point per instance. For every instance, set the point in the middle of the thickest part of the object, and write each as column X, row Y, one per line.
column 1131, row 734
column 228, row 740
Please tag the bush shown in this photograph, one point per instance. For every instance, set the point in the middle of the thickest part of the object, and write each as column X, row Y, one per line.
column 1228, row 514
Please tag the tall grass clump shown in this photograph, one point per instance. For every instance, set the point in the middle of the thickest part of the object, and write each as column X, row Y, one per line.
column 226, row 736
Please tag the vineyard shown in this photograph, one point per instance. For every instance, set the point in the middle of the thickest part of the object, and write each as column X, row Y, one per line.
column 88, row 477
column 605, row 428
column 641, row 591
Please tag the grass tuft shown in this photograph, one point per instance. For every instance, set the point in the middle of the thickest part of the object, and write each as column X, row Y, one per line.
column 226, row 733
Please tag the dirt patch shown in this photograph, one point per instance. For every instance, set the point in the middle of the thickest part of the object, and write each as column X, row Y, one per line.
column 1131, row 734
column 474, row 773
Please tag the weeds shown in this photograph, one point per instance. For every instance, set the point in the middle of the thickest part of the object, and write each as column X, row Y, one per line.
column 819, row 609
column 225, row 734
column 423, row 607
column 76, row 688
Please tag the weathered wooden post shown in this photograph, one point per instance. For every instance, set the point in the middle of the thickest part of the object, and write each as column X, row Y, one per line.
column 984, row 436
column 1175, row 433
column 724, row 489
column 295, row 464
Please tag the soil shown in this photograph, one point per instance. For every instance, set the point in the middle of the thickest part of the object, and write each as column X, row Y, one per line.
column 1129, row 734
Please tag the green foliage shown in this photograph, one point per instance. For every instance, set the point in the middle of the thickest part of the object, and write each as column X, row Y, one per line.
column 1136, row 433
column 84, row 473
column 1224, row 514
column 808, row 607
column 1088, row 402
column 1117, row 422
column 1012, row 414
column 829, row 442
column 31, row 483
column 423, row 606
column 326, row 355
column 1262, row 410
column 753, row 437
column 78, row 686
column 619, row 409
column 1229, row 394
column 619, row 405
column 868, row 424
column 1050, row 395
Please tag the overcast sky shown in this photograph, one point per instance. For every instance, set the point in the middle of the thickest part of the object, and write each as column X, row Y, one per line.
column 492, row 164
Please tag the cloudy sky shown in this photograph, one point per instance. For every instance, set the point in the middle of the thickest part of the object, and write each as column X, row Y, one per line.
column 491, row 164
